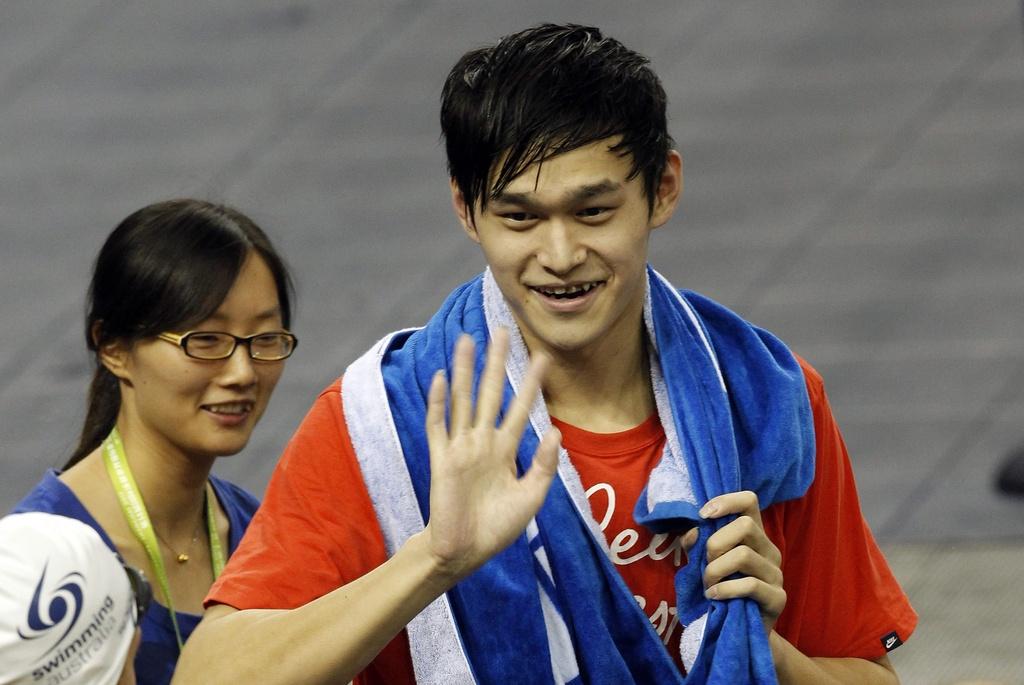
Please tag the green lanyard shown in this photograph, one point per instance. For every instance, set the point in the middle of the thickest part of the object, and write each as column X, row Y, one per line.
column 134, row 510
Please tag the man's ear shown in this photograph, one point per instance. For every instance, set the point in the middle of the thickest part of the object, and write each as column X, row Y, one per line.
column 669, row 190
column 461, row 208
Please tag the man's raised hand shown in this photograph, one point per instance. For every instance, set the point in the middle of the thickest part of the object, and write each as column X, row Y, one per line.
column 478, row 504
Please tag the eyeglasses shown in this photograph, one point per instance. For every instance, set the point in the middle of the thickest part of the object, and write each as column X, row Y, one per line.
column 141, row 589
column 213, row 345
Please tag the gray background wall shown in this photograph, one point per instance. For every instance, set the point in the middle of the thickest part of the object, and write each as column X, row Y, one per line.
column 853, row 183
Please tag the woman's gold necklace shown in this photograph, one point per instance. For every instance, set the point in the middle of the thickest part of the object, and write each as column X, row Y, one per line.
column 181, row 557
column 134, row 510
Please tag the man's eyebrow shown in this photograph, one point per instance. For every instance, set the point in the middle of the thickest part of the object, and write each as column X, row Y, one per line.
column 572, row 196
column 592, row 190
column 507, row 198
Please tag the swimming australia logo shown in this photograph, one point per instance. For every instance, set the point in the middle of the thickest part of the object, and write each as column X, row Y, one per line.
column 54, row 608
column 53, row 619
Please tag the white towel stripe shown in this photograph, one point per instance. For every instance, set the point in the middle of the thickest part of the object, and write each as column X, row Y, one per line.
column 693, row 636
column 695, row 322
column 497, row 314
column 437, row 654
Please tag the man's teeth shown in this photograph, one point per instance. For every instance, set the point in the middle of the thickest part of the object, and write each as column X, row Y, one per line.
column 235, row 408
column 570, row 291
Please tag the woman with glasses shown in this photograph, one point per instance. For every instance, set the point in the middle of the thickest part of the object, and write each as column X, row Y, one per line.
column 188, row 316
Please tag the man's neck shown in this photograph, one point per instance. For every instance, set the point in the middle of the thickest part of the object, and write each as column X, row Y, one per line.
column 601, row 390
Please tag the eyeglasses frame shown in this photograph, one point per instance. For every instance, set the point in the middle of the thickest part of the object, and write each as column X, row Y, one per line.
column 181, row 340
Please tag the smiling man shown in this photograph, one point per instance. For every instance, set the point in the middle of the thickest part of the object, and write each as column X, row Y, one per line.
column 704, row 518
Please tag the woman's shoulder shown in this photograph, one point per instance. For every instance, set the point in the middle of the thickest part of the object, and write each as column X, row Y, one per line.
column 234, row 496
column 53, row 496
column 238, row 504
column 48, row 495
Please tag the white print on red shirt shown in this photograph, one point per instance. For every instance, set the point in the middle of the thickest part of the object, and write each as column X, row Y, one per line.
column 624, row 551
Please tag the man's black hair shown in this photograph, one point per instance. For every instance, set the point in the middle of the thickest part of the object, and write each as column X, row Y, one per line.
column 544, row 91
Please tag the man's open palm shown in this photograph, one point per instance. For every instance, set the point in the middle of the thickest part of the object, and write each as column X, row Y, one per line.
column 478, row 503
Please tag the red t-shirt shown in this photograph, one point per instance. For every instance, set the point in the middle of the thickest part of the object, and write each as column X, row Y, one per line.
column 614, row 468
column 316, row 531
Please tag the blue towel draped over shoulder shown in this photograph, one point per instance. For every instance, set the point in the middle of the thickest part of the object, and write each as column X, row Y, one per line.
column 552, row 607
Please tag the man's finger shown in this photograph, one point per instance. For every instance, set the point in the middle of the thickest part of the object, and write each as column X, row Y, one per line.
column 770, row 598
column 538, row 477
column 492, row 382
column 437, row 432
column 744, row 561
column 462, row 385
column 689, row 539
column 743, row 531
column 743, row 503
column 519, row 409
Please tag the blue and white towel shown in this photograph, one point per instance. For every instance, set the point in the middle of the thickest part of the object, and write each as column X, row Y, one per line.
column 552, row 608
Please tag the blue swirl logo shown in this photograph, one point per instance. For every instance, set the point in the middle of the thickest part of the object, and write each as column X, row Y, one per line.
column 52, row 607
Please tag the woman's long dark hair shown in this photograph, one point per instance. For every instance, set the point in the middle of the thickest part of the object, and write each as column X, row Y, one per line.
column 165, row 267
